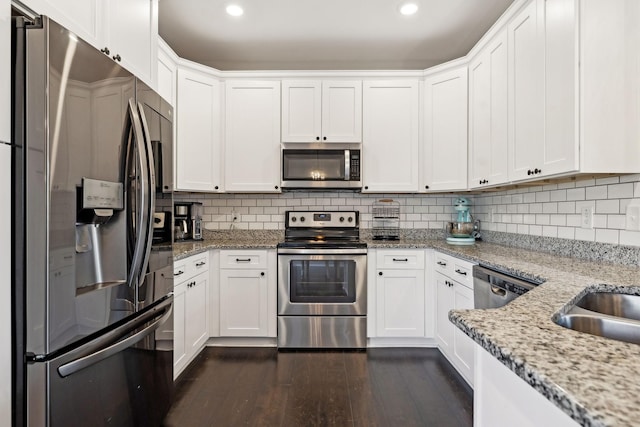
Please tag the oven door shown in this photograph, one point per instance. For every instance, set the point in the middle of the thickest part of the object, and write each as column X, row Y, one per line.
column 322, row 282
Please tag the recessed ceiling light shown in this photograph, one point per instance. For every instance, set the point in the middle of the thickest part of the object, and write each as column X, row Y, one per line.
column 408, row 8
column 234, row 10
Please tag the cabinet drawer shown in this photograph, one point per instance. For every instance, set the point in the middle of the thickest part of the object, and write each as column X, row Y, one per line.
column 188, row 267
column 462, row 272
column 455, row 268
column 400, row 259
column 444, row 263
column 243, row 259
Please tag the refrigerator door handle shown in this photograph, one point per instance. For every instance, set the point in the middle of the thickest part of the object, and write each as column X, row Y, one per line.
column 141, row 228
column 94, row 357
column 149, row 194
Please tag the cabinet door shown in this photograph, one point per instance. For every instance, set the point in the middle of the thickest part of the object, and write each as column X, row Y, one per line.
column 179, row 328
column 131, row 31
column 196, row 317
column 167, row 74
column 526, row 94
column 400, row 303
column 446, row 131
column 83, row 17
column 488, row 115
column 391, row 111
column 243, row 303
column 463, row 346
column 342, row 111
column 560, row 152
column 198, row 132
column 444, row 303
column 252, row 143
column 301, row 111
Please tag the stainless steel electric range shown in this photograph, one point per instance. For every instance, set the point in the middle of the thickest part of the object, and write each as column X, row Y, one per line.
column 322, row 281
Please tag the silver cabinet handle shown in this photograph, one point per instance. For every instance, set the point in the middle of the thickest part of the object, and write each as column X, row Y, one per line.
column 400, row 259
column 464, row 273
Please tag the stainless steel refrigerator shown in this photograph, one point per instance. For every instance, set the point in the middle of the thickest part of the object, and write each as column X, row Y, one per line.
column 93, row 289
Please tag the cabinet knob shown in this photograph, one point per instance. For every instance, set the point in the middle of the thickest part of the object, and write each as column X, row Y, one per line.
column 262, row 273
column 117, row 57
column 276, row 187
column 324, row 138
column 536, row 170
column 426, row 187
column 529, row 172
column 317, row 138
column 366, row 187
column 380, row 273
column 105, row 51
column 216, row 187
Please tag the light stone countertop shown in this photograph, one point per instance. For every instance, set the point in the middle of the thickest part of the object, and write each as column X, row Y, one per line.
column 596, row 381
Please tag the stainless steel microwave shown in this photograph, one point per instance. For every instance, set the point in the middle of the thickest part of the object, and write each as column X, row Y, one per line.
column 322, row 166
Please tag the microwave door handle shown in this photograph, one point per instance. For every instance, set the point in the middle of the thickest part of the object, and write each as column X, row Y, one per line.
column 143, row 211
column 148, row 192
column 347, row 165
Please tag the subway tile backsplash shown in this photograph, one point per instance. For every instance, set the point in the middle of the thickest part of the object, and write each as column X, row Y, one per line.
column 266, row 211
column 555, row 210
column 552, row 210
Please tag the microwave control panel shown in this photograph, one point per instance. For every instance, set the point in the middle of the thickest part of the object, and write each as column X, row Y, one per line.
column 354, row 169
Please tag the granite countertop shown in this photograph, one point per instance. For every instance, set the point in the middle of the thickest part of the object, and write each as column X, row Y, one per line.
column 596, row 381
column 228, row 239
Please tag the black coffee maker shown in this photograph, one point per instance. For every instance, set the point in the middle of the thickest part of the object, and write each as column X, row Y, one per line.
column 187, row 221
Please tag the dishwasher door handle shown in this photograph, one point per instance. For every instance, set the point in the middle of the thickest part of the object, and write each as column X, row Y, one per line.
column 498, row 291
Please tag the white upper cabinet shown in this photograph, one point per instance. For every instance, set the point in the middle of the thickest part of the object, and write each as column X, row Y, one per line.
column 391, row 125
column 131, row 35
column 526, row 93
column 321, row 111
column 83, row 17
column 198, row 132
column 488, row 115
column 445, row 129
column 252, row 136
column 574, row 98
column 126, row 29
column 609, row 81
column 167, row 73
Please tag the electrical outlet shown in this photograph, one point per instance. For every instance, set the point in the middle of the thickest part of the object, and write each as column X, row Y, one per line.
column 234, row 216
column 633, row 217
column 586, row 220
column 492, row 215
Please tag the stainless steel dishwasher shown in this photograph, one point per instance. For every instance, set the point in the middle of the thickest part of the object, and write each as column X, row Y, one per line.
column 492, row 289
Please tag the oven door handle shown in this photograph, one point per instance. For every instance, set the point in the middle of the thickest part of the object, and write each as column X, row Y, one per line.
column 286, row 251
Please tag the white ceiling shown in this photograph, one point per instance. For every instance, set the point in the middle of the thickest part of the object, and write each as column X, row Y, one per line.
column 325, row 34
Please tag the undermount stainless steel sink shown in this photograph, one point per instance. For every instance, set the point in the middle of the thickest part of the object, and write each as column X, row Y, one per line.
column 606, row 314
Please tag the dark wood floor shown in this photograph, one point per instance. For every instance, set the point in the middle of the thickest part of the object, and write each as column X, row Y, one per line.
column 264, row 387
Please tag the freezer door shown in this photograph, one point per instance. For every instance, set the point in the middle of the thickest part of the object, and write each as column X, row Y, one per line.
column 120, row 379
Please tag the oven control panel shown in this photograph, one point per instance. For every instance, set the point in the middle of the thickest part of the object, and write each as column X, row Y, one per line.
column 326, row 219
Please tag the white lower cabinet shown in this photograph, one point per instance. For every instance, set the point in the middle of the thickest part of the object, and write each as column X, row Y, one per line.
column 400, row 299
column 502, row 399
column 454, row 291
column 190, row 309
column 247, row 293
